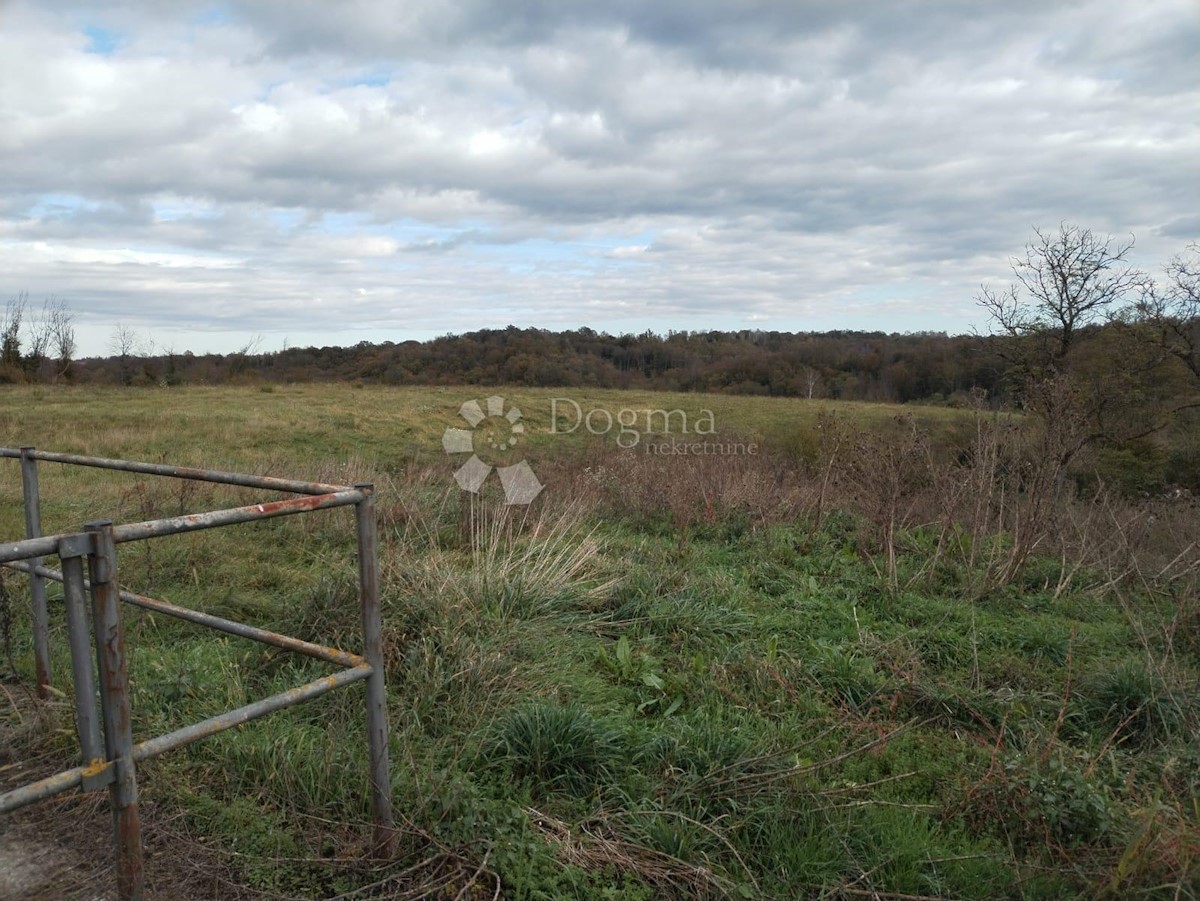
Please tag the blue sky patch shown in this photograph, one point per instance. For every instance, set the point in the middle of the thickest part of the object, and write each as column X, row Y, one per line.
column 101, row 40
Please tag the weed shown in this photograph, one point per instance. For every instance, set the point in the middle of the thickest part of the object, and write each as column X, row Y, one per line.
column 1131, row 699
column 642, row 671
column 555, row 747
column 845, row 673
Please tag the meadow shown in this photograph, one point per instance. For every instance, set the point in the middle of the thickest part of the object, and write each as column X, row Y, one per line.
column 867, row 661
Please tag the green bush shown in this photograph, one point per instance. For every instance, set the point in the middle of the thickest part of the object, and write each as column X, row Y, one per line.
column 1133, row 469
column 1182, row 466
column 1060, row 799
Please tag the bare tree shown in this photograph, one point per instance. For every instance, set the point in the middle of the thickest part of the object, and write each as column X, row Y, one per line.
column 126, row 345
column 811, row 378
column 38, row 336
column 27, row 341
column 1066, row 281
column 240, row 359
column 62, row 335
column 1084, row 384
column 10, row 330
column 1171, row 312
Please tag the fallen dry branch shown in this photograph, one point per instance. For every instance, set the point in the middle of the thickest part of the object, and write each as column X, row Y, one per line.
column 595, row 846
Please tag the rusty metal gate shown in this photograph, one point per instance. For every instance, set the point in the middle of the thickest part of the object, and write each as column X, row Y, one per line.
column 109, row 756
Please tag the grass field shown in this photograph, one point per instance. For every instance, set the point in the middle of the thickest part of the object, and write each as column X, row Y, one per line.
column 669, row 677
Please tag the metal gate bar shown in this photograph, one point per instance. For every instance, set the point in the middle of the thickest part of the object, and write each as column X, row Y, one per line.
column 286, row 642
column 101, row 774
column 109, row 755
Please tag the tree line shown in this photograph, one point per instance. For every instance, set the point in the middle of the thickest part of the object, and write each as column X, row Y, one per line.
column 850, row 365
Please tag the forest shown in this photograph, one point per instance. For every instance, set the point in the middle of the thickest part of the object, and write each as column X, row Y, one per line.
column 872, row 366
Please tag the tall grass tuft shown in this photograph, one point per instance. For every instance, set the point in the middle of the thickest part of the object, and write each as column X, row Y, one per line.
column 555, row 746
column 1132, row 698
column 526, row 565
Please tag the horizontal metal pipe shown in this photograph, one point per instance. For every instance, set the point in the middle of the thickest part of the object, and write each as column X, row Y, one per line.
column 137, row 531
column 54, row 785
column 286, row 642
column 213, row 725
column 103, row 770
column 46, row 546
column 194, row 522
column 182, row 472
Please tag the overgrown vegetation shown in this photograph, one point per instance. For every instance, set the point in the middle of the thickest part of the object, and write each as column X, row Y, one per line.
column 891, row 655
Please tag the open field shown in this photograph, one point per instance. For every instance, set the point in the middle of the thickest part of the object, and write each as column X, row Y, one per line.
column 671, row 677
column 271, row 426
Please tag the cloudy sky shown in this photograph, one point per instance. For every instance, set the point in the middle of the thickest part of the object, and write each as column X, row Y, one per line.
column 317, row 172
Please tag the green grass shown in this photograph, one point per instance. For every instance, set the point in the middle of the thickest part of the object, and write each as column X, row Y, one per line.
column 663, row 681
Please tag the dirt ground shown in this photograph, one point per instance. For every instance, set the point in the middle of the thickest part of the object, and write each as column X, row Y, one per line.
column 62, row 849
column 51, row 851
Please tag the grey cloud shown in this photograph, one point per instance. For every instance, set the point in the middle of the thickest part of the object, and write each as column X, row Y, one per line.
column 776, row 158
column 1182, row 227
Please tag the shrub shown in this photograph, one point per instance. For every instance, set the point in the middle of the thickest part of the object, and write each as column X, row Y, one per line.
column 1182, row 467
column 1135, row 469
column 1060, row 799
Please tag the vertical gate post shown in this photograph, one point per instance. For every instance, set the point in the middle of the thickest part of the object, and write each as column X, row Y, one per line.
column 37, row 585
column 114, row 702
column 71, row 552
column 372, row 618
